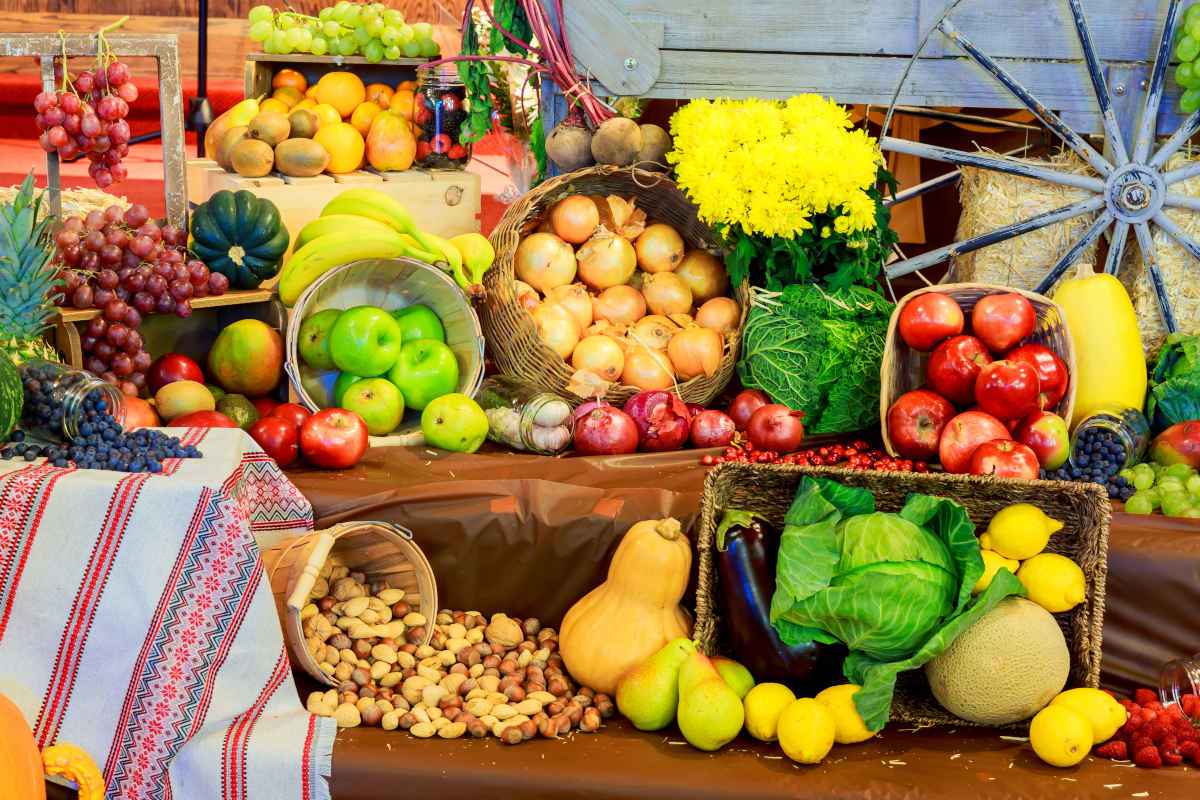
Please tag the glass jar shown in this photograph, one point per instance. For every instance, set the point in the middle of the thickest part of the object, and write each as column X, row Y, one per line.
column 439, row 111
column 60, row 399
column 1178, row 677
column 1128, row 426
column 525, row 418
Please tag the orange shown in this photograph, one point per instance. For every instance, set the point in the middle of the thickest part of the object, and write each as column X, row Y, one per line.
column 344, row 144
column 402, row 103
column 406, row 86
column 271, row 104
column 309, row 104
column 364, row 115
column 342, row 90
column 379, row 93
column 311, row 92
column 326, row 114
column 288, row 95
column 290, row 78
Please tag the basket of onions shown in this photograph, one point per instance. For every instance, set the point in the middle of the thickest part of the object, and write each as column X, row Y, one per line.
column 606, row 284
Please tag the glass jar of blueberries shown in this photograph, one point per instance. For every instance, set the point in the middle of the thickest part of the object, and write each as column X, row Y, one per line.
column 1106, row 441
column 58, row 399
column 439, row 110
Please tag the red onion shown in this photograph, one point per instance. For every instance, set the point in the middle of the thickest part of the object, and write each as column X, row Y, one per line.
column 776, row 427
column 746, row 403
column 662, row 419
column 712, row 429
column 605, row 430
column 694, row 409
column 586, row 407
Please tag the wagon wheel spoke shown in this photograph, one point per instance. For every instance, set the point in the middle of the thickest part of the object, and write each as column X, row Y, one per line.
column 1146, row 245
column 995, row 163
column 1073, row 253
column 1148, row 123
column 1176, row 200
column 1099, row 85
column 1177, row 140
column 1116, row 247
column 923, row 188
column 1177, row 233
column 1181, row 174
column 996, row 236
column 1035, row 106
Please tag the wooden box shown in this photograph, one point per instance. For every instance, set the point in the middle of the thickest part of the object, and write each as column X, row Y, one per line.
column 261, row 68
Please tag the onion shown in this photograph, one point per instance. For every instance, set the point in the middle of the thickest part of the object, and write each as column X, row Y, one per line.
column 600, row 355
column 574, row 298
column 620, row 216
column 527, row 296
column 637, row 280
column 574, row 219
column 682, row 320
column 745, row 404
column 704, row 274
column 620, row 305
column 545, row 261
column 659, row 248
column 557, row 328
column 776, row 427
column 662, row 419
column 695, row 351
column 603, row 430
column 606, row 260
column 647, row 369
column 712, row 429
column 666, row 294
column 694, row 409
column 721, row 314
column 654, row 332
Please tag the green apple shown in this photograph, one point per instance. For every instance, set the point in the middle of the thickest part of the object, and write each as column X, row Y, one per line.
column 378, row 402
column 314, row 338
column 426, row 369
column 419, row 322
column 364, row 340
column 454, row 422
column 344, row 381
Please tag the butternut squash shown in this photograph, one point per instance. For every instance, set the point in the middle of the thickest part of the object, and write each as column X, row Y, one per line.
column 635, row 611
column 1110, row 366
column 73, row 763
column 20, row 762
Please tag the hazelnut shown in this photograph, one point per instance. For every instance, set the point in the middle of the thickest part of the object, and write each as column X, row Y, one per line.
column 362, row 648
column 458, row 618
column 546, row 634
column 386, row 694
column 484, row 649
column 591, row 721
column 349, row 697
column 409, row 672
column 563, row 722
column 468, row 621
column 528, row 729
column 458, row 669
column 492, row 671
column 399, row 609
column 555, row 708
column 341, row 641
column 438, row 640
column 466, row 687
column 491, row 662
column 604, row 704
column 325, row 603
column 360, row 676
column 515, row 693
column 372, row 715
column 410, row 649
column 534, row 674
column 574, row 713
column 415, row 635
column 581, row 700
column 452, row 714
column 557, row 686
column 507, row 681
column 367, row 691
column 475, row 728
column 533, row 686
column 450, row 701
column 547, row 726
column 508, row 666
column 526, row 647
column 348, row 685
column 587, row 691
column 531, row 626
column 512, row 735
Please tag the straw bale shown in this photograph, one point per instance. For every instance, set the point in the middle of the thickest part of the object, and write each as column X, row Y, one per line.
column 75, row 202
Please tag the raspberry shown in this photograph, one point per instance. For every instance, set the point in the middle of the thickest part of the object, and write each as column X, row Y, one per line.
column 1190, row 704
column 1148, row 715
column 1153, row 705
column 1144, row 696
column 1156, row 731
column 1173, row 711
column 1169, row 742
column 1148, row 757
column 1139, row 743
column 1171, row 758
column 1128, row 705
column 1190, row 751
column 1115, row 749
column 1136, row 720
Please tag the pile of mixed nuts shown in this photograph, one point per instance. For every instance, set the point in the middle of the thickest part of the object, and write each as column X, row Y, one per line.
column 501, row 676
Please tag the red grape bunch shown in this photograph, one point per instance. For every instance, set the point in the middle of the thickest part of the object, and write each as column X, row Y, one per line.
column 128, row 266
column 87, row 116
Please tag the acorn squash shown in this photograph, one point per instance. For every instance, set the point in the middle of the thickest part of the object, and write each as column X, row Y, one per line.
column 241, row 236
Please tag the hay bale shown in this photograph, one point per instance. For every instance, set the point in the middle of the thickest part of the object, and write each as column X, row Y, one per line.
column 992, row 200
column 76, row 202
column 1180, row 272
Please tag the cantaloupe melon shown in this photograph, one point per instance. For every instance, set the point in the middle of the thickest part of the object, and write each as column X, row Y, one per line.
column 1003, row 669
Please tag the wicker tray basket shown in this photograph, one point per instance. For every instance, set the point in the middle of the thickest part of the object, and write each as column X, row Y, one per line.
column 513, row 341
column 903, row 369
column 1083, row 508
column 385, row 553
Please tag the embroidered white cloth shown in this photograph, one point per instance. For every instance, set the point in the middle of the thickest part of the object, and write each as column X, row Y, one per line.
column 136, row 622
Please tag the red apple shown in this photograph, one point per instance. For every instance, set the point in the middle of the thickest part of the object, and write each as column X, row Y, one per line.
column 170, row 368
column 928, row 319
column 915, row 422
column 954, row 366
column 1052, row 372
column 1178, row 444
column 203, row 419
column 333, row 438
column 745, row 404
column 1004, row 458
column 1007, row 389
column 1046, row 435
column 963, row 434
column 265, row 405
column 293, row 412
column 279, row 438
column 1003, row 320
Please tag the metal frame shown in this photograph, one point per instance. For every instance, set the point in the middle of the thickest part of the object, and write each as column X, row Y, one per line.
column 162, row 47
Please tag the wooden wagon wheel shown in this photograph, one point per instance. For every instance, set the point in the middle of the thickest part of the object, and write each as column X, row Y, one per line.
column 1130, row 187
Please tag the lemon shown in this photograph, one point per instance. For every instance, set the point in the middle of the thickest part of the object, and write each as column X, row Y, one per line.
column 764, row 703
column 1099, row 708
column 1060, row 736
column 1054, row 582
column 806, row 729
column 1019, row 531
column 848, row 724
column 992, row 562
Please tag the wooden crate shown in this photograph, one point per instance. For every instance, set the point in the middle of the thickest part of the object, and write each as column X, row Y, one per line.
column 443, row 202
column 261, row 67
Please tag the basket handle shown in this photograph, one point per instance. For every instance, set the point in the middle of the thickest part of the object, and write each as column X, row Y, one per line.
column 293, row 375
column 320, row 553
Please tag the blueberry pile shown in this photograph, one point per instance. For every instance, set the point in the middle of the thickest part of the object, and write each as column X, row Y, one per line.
column 100, row 443
column 1097, row 457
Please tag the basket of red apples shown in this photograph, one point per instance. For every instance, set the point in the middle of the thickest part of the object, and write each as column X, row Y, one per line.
column 978, row 377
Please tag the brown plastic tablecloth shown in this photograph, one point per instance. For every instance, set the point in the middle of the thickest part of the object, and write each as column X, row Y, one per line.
column 529, row 535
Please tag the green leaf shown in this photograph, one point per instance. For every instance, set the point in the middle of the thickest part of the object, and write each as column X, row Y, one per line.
column 734, row 516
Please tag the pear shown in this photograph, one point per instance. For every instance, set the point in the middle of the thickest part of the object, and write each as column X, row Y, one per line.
column 737, row 676
column 648, row 693
column 710, row 714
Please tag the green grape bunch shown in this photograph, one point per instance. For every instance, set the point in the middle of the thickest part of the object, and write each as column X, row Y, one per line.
column 372, row 30
column 1187, row 51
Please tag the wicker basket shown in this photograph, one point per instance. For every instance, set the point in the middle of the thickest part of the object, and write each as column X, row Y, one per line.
column 903, row 369
column 1083, row 508
column 383, row 552
column 390, row 284
column 512, row 338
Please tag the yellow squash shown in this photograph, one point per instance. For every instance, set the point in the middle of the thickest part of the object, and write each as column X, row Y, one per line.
column 73, row 763
column 20, row 763
column 1110, row 367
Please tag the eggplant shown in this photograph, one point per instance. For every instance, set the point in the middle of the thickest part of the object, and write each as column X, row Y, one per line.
column 746, row 554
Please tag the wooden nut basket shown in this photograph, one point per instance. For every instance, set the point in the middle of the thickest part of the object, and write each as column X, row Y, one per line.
column 903, row 369
column 513, row 340
column 385, row 553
